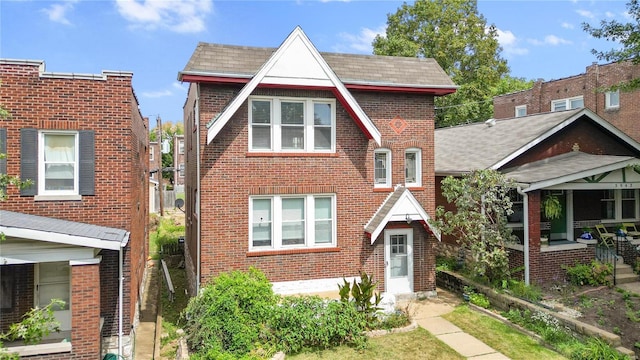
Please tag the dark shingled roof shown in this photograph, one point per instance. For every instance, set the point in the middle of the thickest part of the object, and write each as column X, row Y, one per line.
column 12, row 219
column 384, row 210
column 244, row 61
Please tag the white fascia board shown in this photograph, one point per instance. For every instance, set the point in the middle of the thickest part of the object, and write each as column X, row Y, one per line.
column 580, row 175
column 63, row 238
column 331, row 80
column 32, row 256
column 405, row 199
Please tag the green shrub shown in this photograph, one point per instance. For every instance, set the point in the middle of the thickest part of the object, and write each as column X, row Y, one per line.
column 363, row 295
column 446, row 263
column 521, row 290
column 396, row 319
column 309, row 322
column 595, row 273
column 596, row 349
column 228, row 315
column 479, row 300
column 168, row 232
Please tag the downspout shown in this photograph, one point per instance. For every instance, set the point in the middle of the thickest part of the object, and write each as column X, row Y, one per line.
column 199, row 190
column 525, row 223
column 121, row 291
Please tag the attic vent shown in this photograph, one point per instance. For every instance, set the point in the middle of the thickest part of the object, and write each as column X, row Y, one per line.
column 490, row 122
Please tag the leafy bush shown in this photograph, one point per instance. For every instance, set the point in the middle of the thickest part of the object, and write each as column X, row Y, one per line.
column 446, row 263
column 396, row 319
column 479, row 300
column 596, row 349
column 168, row 232
column 521, row 290
column 228, row 315
column 593, row 274
column 363, row 295
column 309, row 322
column 36, row 324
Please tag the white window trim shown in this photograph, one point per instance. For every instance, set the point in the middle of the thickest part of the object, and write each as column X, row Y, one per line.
column 607, row 99
column 151, row 153
column 418, row 153
column 388, row 183
column 567, row 103
column 520, row 107
column 42, row 193
column 276, row 140
column 617, row 200
column 309, row 222
column 180, row 147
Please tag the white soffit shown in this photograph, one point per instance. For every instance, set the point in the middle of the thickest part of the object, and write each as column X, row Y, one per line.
column 296, row 62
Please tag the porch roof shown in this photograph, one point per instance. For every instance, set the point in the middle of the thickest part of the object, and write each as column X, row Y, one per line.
column 567, row 167
column 400, row 205
column 492, row 144
column 20, row 225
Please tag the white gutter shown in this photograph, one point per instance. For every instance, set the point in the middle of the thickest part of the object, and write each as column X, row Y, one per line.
column 525, row 222
column 199, row 190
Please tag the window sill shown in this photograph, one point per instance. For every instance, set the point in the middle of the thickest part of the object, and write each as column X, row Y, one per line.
column 415, row 187
column 382, row 189
column 291, row 154
column 292, row 251
column 57, row 198
column 41, row 349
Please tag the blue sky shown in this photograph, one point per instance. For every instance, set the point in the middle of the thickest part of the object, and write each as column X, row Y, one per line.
column 155, row 38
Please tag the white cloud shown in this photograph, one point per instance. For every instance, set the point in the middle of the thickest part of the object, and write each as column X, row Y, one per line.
column 362, row 41
column 586, row 13
column 509, row 43
column 186, row 16
column 609, row 14
column 180, row 86
column 567, row 25
column 58, row 12
column 157, row 94
column 550, row 40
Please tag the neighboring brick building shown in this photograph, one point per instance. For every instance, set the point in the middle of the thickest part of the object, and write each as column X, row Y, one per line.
column 583, row 90
column 294, row 160
column 178, row 160
column 574, row 156
column 82, row 224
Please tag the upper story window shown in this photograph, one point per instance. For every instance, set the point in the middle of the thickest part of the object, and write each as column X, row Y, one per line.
column 151, row 153
column 521, row 111
column 382, row 168
column 181, row 147
column 292, row 124
column 413, row 167
column 58, row 163
column 612, row 99
column 296, row 221
column 567, row 104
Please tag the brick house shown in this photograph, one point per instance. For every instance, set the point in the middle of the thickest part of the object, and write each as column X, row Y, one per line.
column 582, row 90
column 585, row 162
column 79, row 232
column 310, row 199
column 178, row 160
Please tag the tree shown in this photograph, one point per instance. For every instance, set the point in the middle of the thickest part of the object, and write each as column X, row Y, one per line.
column 169, row 129
column 454, row 34
column 627, row 34
column 479, row 222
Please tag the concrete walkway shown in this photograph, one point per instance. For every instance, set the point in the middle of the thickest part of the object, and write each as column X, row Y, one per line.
column 145, row 339
column 427, row 314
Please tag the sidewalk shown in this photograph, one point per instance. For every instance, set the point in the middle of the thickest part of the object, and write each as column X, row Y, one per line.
column 427, row 314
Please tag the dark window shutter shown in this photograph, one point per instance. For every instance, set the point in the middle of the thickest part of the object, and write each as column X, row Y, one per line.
column 87, row 163
column 29, row 160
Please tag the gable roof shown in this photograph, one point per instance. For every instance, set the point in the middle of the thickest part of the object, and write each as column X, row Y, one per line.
column 14, row 224
column 493, row 144
column 400, row 205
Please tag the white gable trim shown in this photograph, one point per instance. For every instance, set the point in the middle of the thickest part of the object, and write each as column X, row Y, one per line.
column 58, row 238
column 277, row 71
column 407, row 208
column 593, row 116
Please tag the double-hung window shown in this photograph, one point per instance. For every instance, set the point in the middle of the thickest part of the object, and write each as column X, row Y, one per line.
column 292, row 221
column 413, row 167
column 521, row 110
column 567, row 104
column 58, row 163
column 382, row 168
column 292, row 124
column 612, row 99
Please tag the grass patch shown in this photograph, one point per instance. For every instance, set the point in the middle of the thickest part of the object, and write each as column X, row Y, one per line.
column 417, row 344
column 170, row 312
column 501, row 337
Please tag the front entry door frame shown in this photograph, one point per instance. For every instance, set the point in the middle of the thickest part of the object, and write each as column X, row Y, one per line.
column 398, row 260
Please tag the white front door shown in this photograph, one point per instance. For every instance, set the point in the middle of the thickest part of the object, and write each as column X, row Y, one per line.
column 53, row 281
column 398, row 259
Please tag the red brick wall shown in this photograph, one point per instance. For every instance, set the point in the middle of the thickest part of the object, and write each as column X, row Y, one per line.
column 229, row 177
column 110, row 108
column 23, row 301
column 588, row 84
column 85, row 289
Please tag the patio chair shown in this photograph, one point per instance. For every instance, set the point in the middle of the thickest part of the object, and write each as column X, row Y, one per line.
column 605, row 236
column 631, row 230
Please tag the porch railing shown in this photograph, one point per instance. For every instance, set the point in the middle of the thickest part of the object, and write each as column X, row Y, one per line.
column 609, row 254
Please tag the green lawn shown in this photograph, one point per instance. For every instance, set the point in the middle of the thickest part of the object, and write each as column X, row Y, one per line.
column 500, row 336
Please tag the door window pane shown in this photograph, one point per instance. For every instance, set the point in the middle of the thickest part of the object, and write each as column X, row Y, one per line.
column 399, row 261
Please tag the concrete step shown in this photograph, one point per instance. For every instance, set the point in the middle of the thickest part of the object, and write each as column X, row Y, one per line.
column 626, row 278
